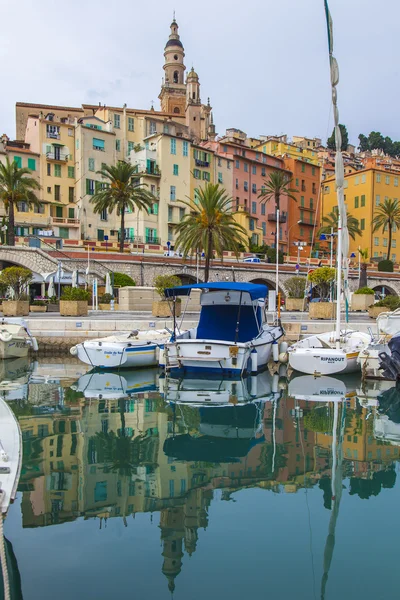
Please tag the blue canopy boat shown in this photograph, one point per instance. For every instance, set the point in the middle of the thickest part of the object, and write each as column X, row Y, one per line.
column 231, row 337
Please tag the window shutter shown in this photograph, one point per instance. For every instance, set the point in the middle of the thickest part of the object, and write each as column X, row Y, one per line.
column 88, row 186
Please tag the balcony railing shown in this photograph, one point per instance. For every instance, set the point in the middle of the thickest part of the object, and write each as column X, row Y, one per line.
column 58, row 156
column 52, row 135
column 282, row 217
column 201, row 163
column 303, row 187
column 152, row 172
column 152, row 240
column 66, row 221
column 133, row 239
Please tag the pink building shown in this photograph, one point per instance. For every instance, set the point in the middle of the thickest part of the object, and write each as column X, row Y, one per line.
column 250, row 170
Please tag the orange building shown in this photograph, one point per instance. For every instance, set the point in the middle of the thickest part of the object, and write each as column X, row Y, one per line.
column 303, row 215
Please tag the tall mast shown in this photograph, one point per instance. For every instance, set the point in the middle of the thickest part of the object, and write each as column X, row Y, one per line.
column 343, row 236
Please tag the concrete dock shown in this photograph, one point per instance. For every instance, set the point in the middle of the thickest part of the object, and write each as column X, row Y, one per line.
column 56, row 334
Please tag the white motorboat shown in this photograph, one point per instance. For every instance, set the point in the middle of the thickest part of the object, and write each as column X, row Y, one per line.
column 220, row 392
column 10, row 455
column 114, row 386
column 232, row 336
column 334, row 352
column 322, row 355
column 129, row 350
column 15, row 338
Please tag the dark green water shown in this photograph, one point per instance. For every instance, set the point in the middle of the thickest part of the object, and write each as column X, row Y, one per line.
column 125, row 494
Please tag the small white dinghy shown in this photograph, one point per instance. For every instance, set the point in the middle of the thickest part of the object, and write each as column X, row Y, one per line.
column 129, row 350
column 15, row 338
column 319, row 354
column 10, row 455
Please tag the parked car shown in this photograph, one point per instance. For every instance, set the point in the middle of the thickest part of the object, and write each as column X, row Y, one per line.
column 252, row 259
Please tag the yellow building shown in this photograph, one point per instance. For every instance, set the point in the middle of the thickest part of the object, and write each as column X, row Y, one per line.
column 94, row 148
column 280, row 146
column 54, row 139
column 165, row 163
column 364, row 192
column 26, row 221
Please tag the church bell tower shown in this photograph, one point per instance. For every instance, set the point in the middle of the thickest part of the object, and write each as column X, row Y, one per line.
column 173, row 90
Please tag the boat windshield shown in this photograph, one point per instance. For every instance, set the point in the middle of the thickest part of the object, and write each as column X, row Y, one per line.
column 219, row 322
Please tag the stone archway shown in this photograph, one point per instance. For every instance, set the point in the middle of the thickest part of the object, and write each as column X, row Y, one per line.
column 269, row 283
column 187, row 278
column 384, row 290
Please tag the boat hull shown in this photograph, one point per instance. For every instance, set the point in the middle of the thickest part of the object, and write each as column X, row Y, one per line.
column 10, row 454
column 223, row 357
column 325, row 361
column 115, row 355
column 17, row 347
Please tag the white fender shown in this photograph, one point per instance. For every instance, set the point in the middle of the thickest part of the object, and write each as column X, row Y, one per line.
column 5, row 336
column 73, row 351
column 275, row 351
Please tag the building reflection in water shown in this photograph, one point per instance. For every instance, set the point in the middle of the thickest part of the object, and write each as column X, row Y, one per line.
column 94, row 455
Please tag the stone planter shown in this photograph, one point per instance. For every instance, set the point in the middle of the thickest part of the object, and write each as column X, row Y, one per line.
column 161, row 308
column 362, row 301
column 322, row 310
column 108, row 306
column 374, row 311
column 37, row 309
column 73, row 308
column 295, row 304
column 15, row 308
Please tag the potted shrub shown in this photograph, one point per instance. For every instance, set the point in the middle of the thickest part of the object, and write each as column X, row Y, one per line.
column 295, row 287
column 38, row 306
column 162, row 308
column 362, row 299
column 322, row 279
column 17, row 280
column 74, row 302
column 385, row 305
column 105, row 302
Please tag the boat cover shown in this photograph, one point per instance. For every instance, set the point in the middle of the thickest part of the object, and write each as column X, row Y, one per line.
column 257, row 291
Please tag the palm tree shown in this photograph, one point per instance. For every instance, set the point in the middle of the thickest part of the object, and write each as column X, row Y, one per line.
column 16, row 186
column 276, row 186
column 330, row 221
column 122, row 191
column 387, row 215
column 363, row 267
column 209, row 225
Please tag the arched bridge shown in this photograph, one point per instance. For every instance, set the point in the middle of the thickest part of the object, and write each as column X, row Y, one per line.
column 143, row 269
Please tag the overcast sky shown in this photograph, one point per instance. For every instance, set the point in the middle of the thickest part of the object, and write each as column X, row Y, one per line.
column 263, row 63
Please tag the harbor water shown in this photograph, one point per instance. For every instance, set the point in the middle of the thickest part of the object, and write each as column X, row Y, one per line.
column 134, row 485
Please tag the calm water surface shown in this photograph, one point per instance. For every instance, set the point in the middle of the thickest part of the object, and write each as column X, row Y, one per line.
column 129, row 491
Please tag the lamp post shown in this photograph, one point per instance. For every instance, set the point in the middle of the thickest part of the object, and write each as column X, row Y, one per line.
column 300, row 246
column 288, row 235
column 323, row 238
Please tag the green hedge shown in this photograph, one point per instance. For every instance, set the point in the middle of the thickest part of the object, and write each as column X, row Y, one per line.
column 391, row 302
column 71, row 293
column 365, row 290
column 123, row 280
column 385, row 265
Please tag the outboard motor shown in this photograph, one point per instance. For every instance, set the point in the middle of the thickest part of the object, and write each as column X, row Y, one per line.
column 390, row 365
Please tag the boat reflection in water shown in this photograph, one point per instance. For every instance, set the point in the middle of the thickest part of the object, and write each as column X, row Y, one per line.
column 218, row 391
column 113, row 445
column 387, row 419
column 116, row 384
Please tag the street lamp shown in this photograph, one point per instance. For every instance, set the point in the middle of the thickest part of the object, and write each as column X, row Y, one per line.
column 300, row 246
column 288, row 235
column 323, row 237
